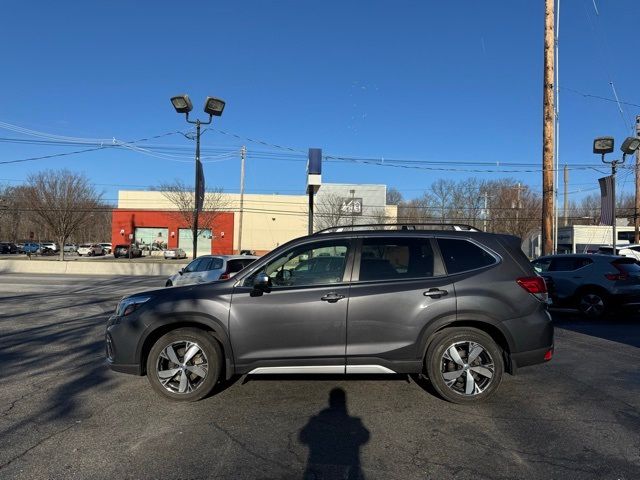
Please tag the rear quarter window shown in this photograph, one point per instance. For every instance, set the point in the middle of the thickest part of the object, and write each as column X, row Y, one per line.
column 462, row 255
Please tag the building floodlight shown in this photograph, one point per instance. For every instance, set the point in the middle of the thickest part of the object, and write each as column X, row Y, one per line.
column 214, row 106
column 182, row 103
column 630, row 145
column 603, row 145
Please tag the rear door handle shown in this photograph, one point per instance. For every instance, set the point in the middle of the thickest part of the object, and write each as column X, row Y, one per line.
column 332, row 297
column 435, row 293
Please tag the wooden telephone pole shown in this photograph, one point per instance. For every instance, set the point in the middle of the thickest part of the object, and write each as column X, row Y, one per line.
column 548, row 133
column 636, row 219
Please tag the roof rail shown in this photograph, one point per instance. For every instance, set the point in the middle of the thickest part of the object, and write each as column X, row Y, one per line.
column 399, row 226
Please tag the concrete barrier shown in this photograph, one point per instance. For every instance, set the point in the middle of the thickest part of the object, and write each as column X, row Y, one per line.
column 89, row 267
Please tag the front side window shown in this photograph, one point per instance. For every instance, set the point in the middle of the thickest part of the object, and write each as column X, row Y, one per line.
column 311, row 264
column 564, row 265
column 396, row 258
column 462, row 255
column 193, row 266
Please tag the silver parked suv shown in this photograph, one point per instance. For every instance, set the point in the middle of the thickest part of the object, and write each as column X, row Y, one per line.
column 458, row 305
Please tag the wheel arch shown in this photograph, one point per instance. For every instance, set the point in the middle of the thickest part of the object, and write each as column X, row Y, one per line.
column 211, row 326
column 497, row 334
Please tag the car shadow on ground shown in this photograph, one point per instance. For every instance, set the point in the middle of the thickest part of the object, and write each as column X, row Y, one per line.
column 621, row 327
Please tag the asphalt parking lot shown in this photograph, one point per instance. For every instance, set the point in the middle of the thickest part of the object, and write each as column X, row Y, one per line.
column 65, row 415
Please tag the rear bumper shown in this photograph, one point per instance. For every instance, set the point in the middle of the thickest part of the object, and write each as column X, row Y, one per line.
column 532, row 339
column 532, row 357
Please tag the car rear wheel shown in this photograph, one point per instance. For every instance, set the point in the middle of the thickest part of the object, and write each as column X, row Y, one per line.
column 464, row 365
column 592, row 304
column 184, row 365
column 168, row 284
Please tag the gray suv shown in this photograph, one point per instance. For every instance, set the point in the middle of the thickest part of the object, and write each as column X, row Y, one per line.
column 591, row 283
column 460, row 306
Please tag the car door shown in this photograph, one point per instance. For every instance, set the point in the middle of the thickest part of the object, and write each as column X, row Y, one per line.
column 188, row 273
column 398, row 287
column 568, row 274
column 300, row 322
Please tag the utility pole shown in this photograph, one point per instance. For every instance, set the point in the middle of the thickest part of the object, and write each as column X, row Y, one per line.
column 636, row 220
column 565, row 209
column 486, row 211
column 243, row 154
column 196, row 203
column 548, row 130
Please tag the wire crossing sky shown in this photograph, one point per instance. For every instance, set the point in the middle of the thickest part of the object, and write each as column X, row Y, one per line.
column 401, row 93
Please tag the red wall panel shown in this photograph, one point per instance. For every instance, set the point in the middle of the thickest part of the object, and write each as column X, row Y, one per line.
column 125, row 221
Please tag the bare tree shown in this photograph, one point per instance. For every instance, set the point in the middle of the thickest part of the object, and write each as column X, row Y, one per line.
column 329, row 212
column 62, row 201
column 394, row 197
column 442, row 191
column 182, row 197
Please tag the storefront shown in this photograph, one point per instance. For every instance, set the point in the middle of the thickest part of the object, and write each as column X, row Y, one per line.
column 155, row 230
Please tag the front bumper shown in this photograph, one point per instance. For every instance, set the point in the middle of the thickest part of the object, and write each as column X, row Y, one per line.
column 121, row 343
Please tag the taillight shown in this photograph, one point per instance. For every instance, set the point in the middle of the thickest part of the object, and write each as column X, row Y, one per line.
column 621, row 275
column 615, row 276
column 224, row 276
column 534, row 285
column 549, row 355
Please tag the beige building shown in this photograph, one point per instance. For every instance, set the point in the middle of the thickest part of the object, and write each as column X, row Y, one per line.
column 271, row 220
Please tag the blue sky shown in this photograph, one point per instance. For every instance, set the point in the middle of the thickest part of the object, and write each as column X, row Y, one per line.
column 454, row 81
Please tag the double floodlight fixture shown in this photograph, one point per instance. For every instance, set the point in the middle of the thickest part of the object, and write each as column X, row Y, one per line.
column 604, row 145
column 212, row 106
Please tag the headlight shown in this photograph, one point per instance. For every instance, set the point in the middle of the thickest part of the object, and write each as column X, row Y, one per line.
column 129, row 305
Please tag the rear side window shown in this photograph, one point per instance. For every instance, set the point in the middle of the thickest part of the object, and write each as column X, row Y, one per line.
column 396, row 258
column 462, row 255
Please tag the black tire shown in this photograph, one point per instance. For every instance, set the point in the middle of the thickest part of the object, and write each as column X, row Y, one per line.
column 168, row 284
column 439, row 362
column 592, row 304
column 209, row 352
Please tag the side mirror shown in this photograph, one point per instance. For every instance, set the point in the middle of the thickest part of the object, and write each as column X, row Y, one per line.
column 261, row 282
column 181, row 271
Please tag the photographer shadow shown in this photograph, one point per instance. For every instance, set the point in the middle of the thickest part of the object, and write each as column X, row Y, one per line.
column 334, row 440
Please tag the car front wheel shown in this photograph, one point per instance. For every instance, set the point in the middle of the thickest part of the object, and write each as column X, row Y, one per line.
column 464, row 365
column 184, row 365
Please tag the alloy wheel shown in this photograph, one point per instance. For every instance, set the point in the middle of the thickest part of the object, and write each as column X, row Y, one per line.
column 467, row 368
column 592, row 305
column 182, row 367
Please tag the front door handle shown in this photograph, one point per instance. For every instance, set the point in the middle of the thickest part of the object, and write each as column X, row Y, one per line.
column 332, row 297
column 435, row 293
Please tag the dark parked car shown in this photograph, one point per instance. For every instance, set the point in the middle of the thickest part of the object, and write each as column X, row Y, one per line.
column 591, row 283
column 460, row 306
column 122, row 251
column 8, row 247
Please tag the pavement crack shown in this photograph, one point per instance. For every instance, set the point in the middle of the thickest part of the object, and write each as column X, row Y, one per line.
column 40, row 442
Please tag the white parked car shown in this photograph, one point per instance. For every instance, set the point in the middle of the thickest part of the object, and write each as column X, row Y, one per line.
column 107, row 247
column 175, row 254
column 629, row 250
column 90, row 249
column 209, row 268
column 70, row 248
column 50, row 245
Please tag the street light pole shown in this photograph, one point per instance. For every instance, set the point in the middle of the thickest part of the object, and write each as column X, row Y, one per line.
column 195, row 191
column 213, row 107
